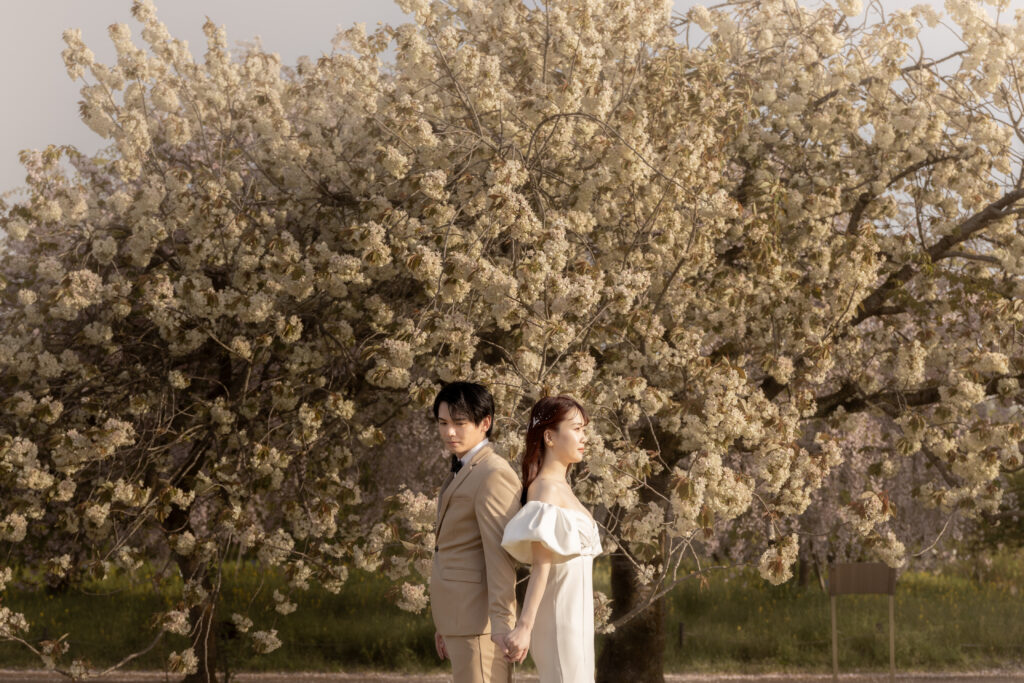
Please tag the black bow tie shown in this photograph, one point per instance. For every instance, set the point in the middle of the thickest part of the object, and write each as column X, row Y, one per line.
column 456, row 463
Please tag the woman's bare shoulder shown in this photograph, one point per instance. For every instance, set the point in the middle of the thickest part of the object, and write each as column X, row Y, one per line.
column 545, row 491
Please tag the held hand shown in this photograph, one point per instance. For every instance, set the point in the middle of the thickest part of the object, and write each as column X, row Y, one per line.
column 439, row 645
column 517, row 644
column 499, row 640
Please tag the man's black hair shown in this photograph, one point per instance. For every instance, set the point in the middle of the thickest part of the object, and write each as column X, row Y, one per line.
column 467, row 400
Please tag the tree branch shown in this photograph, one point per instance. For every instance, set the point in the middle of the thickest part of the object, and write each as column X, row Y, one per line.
column 852, row 400
column 870, row 306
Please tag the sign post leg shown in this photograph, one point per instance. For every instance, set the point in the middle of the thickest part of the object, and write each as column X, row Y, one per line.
column 892, row 638
column 835, row 644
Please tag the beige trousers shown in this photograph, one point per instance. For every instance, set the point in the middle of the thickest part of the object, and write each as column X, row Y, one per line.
column 476, row 659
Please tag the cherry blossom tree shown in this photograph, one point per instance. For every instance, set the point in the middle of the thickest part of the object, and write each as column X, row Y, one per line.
column 741, row 237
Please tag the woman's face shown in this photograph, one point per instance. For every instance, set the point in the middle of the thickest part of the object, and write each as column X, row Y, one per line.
column 567, row 441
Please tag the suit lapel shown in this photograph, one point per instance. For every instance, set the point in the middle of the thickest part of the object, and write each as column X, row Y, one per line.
column 448, row 489
column 440, row 496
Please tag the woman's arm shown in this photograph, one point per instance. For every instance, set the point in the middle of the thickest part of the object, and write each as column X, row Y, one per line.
column 518, row 641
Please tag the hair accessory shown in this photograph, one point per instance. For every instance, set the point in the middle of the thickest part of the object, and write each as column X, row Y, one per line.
column 537, row 419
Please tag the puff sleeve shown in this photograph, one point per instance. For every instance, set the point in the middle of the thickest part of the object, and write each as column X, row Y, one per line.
column 544, row 523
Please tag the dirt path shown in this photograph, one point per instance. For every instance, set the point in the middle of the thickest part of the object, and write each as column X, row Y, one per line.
column 1016, row 676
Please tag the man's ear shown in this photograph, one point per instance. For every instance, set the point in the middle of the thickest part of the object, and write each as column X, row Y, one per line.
column 485, row 423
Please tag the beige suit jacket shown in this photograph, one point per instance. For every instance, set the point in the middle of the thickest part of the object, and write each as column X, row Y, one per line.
column 472, row 578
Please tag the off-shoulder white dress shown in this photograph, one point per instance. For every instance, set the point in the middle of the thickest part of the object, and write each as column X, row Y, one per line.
column 562, row 643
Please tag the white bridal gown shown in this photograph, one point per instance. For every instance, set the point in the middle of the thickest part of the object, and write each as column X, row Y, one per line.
column 562, row 643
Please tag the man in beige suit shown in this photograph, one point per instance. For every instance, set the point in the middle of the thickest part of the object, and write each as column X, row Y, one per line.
column 472, row 579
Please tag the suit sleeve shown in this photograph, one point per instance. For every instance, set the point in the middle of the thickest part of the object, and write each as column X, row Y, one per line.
column 497, row 501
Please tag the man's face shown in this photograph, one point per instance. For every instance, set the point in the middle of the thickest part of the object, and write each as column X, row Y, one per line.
column 459, row 434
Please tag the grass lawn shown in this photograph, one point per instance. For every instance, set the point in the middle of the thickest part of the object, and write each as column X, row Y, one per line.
column 948, row 620
column 736, row 623
column 359, row 628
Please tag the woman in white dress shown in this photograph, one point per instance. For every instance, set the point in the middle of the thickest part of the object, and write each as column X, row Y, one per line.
column 556, row 535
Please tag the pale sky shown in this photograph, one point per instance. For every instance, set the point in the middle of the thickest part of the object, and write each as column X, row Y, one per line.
column 40, row 102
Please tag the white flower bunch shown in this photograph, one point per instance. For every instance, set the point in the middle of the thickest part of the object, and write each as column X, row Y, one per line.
column 176, row 621
column 776, row 563
column 184, row 662
column 265, row 642
column 413, row 598
column 281, row 603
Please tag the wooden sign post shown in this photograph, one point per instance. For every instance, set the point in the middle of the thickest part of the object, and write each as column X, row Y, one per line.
column 861, row 578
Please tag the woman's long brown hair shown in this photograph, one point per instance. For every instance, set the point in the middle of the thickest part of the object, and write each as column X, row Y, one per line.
column 546, row 414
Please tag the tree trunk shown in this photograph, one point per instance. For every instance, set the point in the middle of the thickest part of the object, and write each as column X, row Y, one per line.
column 203, row 620
column 803, row 574
column 206, row 644
column 634, row 652
column 821, row 576
column 201, row 616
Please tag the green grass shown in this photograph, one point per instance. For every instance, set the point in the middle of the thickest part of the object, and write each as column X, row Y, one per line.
column 957, row 619
column 945, row 621
column 359, row 628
